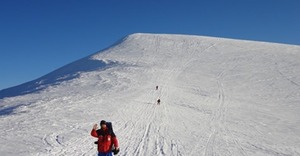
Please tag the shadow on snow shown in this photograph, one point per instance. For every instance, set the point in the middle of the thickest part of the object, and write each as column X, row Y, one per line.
column 65, row 73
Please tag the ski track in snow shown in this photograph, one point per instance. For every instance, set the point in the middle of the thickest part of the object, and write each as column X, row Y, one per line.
column 218, row 97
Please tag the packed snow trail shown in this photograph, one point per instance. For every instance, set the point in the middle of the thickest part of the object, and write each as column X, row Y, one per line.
column 218, row 97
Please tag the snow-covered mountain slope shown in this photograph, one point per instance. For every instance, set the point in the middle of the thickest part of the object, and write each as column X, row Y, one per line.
column 218, row 97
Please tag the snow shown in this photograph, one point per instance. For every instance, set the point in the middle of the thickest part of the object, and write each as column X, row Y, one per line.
column 218, row 97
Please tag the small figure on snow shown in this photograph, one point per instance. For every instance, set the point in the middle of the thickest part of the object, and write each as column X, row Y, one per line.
column 158, row 101
column 106, row 139
column 156, row 87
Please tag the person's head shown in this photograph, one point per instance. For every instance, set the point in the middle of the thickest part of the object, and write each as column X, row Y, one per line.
column 103, row 124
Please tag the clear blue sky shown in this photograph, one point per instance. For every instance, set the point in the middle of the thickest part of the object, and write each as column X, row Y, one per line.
column 39, row 36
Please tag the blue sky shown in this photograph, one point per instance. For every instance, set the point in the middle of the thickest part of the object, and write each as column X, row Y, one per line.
column 39, row 36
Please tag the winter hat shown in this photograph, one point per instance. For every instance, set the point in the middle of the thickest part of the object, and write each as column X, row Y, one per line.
column 103, row 122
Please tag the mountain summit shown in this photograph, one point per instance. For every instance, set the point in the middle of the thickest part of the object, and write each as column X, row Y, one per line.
column 217, row 97
column 139, row 45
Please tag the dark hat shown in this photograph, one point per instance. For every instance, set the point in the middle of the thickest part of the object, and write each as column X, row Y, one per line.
column 103, row 122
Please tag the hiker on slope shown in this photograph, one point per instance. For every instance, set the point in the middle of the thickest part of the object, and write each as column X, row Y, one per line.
column 107, row 140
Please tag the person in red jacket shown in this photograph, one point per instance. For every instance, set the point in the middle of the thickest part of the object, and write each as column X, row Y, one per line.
column 106, row 139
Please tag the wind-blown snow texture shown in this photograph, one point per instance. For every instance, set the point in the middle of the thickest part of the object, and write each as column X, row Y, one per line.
column 218, row 97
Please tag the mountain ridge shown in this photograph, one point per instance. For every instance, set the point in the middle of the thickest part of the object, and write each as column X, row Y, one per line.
column 83, row 64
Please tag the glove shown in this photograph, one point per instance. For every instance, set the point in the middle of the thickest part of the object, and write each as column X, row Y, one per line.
column 116, row 151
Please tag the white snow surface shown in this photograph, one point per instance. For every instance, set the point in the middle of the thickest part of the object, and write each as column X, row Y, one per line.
column 218, row 97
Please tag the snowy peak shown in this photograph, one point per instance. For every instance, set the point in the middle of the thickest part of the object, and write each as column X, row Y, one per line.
column 141, row 48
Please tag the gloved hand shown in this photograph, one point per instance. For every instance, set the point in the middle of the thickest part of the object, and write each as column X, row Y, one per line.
column 116, row 151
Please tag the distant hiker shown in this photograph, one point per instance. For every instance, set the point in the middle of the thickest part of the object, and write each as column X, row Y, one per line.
column 156, row 87
column 158, row 101
column 106, row 139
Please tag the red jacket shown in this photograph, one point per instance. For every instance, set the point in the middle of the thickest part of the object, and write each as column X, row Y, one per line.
column 105, row 140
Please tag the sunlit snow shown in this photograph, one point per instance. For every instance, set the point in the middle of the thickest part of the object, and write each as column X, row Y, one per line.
column 218, row 97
